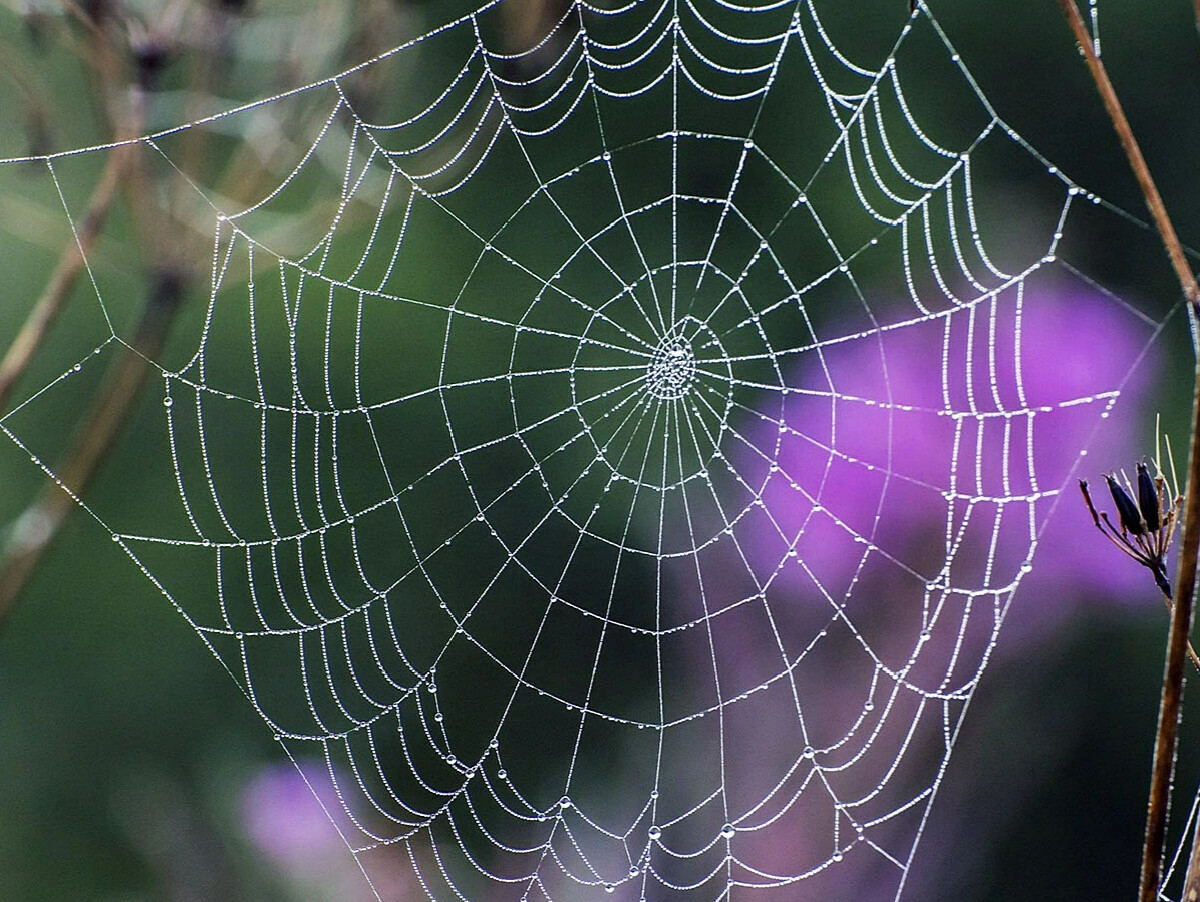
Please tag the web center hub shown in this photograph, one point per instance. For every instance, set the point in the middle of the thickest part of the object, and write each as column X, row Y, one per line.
column 672, row 368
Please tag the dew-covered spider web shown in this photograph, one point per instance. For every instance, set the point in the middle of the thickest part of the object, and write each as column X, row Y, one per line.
column 614, row 455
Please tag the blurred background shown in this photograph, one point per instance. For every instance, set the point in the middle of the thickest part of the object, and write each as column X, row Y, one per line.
column 133, row 766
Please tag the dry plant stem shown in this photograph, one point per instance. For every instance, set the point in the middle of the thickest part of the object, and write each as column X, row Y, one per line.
column 35, row 530
column 1137, row 162
column 1185, row 580
column 62, row 279
column 1172, row 693
column 1191, row 654
column 39, row 524
column 1191, row 651
column 1191, row 882
column 1173, row 675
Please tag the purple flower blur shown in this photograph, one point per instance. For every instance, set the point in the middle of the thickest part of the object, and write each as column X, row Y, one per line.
column 295, row 819
column 904, row 480
column 946, row 444
column 287, row 816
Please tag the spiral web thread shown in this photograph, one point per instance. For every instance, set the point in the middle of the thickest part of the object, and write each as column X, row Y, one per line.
column 521, row 499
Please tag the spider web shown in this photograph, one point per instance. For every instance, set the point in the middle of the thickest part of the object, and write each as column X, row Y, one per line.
column 555, row 481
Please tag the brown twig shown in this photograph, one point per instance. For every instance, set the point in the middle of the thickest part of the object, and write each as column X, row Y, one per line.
column 1137, row 162
column 62, row 279
column 1191, row 654
column 1185, row 580
column 1181, row 625
column 35, row 530
column 1191, row 882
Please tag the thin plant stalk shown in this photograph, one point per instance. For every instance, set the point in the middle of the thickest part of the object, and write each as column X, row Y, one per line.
column 1154, row 201
column 1177, row 641
column 70, row 263
column 1191, row 882
column 36, row 528
column 1170, row 706
column 1195, row 663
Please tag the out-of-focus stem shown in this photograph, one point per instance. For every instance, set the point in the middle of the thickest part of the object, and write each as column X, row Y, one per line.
column 1133, row 152
column 35, row 530
column 62, row 279
column 1171, row 702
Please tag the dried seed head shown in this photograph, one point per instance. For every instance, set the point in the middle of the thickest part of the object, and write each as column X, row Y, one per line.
column 1131, row 518
column 1148, row 501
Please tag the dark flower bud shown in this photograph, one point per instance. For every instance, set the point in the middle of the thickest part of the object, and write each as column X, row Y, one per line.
column 1131, row 519
column 1147, row 498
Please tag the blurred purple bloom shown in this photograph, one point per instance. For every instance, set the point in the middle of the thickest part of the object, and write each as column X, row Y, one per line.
column 903, row 481
column 289, row 822
column 296, row 820
column 946, row 442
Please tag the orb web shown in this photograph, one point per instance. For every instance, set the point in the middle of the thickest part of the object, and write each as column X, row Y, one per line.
column 621, row 478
